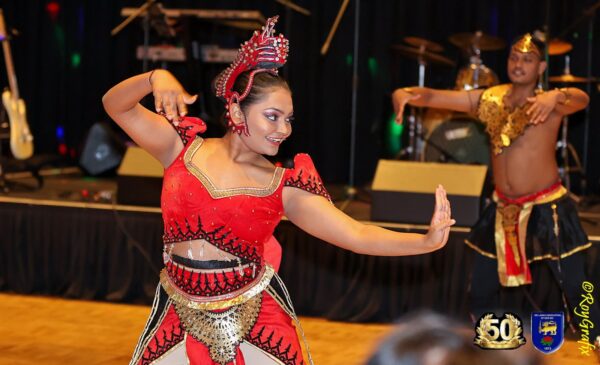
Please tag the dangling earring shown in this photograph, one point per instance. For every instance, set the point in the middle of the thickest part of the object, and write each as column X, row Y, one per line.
column 236, row 128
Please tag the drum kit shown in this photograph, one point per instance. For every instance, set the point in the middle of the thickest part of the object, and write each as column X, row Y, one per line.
column 437, row 135
column 442, row 135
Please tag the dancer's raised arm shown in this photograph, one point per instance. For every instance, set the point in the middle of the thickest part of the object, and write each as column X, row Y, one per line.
column 148, row 129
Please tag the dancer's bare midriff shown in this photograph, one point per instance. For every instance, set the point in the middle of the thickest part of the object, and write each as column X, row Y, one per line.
column 199, row 250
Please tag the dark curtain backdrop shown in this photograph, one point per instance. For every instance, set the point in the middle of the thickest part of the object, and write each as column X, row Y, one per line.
column 115, row 256
column 67, row 61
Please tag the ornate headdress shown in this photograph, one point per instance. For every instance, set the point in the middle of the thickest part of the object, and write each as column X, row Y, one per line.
column 526, row 44
column 264, row 52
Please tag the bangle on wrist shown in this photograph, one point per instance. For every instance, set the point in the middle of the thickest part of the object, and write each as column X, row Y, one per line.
column 150, row 77
column 566, row 93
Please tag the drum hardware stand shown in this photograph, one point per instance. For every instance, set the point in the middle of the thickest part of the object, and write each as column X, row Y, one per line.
column 565, row 148
column 475, row 59
column 587, row 13
column 416, row 146
column 566, row 168
column 419, row 144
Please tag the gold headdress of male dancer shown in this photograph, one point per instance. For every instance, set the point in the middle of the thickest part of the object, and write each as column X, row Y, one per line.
column 526, row 44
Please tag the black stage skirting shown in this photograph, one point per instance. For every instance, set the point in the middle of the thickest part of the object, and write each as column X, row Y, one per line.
column 115, row 255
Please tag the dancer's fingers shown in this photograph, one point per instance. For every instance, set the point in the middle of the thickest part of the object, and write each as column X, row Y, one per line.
column 158, row 103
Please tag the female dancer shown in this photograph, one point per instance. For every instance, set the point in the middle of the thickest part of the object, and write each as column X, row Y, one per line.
column 219, row 300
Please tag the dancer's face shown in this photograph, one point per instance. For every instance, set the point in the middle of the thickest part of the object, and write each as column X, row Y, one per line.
column 524, row 68
column 269, row 121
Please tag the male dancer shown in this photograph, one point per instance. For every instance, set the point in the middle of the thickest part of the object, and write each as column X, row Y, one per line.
column 532, row 219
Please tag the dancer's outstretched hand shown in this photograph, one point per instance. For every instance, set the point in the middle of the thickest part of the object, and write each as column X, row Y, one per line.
column 400, row 98
column 439, row 229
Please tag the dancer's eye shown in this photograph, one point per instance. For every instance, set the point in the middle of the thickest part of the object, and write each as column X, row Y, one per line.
column 271, row 117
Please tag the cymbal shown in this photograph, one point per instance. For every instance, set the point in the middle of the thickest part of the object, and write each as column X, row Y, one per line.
column 424, row 56
column 478, row 40
column 569, row 79
column 422, row 42
column 558, row 46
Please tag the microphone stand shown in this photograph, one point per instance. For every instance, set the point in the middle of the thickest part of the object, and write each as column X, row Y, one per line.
column 350, row 190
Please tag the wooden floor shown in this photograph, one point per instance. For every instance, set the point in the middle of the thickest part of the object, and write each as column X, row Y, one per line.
column 36, row 330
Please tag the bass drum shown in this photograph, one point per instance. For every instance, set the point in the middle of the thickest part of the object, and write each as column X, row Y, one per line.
column 455, row 138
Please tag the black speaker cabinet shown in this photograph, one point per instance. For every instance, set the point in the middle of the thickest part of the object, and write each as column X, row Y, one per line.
column 102, row 151
column 403, row 191
column 139, row 179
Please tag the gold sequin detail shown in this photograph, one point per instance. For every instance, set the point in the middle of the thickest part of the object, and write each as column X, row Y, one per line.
column 502, row 124
column 222, row 332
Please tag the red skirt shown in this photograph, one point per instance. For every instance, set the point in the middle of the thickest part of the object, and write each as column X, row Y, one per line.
column 264, row 324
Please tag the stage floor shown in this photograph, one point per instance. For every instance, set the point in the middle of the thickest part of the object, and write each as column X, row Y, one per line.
column 69, row 188
column 52, row 331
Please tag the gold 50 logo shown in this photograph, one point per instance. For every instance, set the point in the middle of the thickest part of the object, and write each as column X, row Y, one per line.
column 499, row 333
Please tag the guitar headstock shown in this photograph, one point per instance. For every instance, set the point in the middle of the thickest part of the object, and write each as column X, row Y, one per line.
column 2, row 26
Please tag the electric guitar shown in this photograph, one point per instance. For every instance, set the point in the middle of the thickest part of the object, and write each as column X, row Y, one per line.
column 21, row 140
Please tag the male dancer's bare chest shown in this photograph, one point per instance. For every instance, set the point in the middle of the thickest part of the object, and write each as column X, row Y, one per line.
column 529, row 163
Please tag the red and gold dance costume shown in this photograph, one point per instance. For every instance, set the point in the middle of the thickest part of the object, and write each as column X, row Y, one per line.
column 236, row 311
column 211, row 314
column 517, row 232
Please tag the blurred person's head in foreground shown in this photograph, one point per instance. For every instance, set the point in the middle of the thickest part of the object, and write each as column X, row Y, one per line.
column 427, row 338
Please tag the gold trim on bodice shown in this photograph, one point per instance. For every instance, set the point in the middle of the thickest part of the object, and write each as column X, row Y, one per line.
column 217, row 193
column 502, row 124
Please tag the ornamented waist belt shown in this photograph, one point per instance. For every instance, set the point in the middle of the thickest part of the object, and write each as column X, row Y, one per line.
column 211, row 283
column 512, row 218
column 232, row 298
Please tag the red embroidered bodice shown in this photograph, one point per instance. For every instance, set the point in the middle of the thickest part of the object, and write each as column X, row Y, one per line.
column 239, row 221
